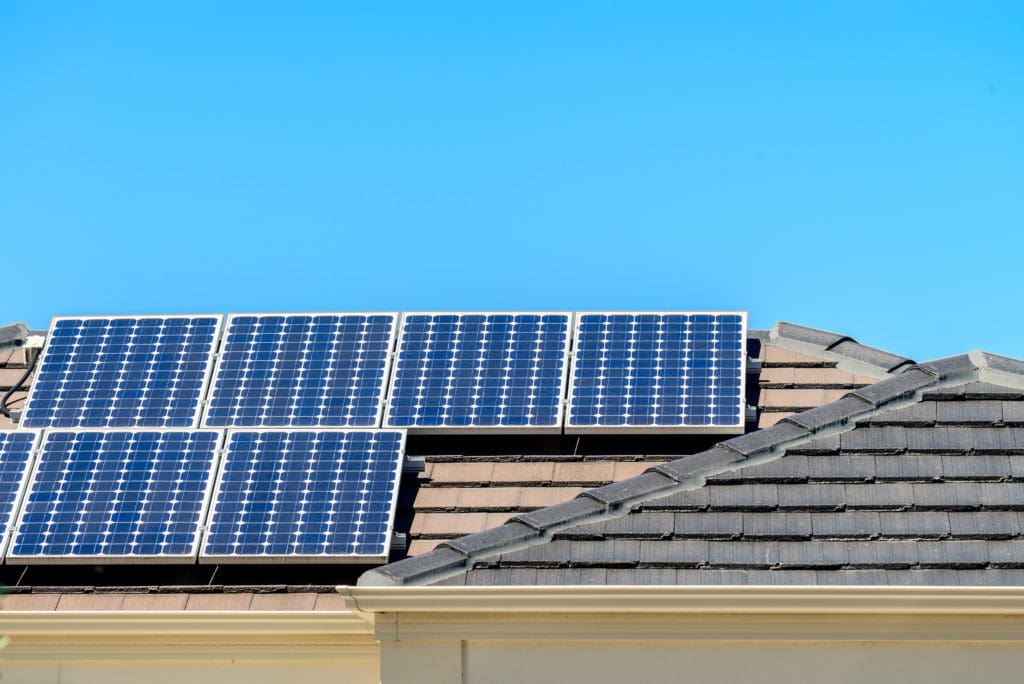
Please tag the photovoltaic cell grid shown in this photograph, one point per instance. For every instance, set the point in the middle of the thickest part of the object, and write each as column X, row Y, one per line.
column 122, row 495
column 658, row 370
column 15, row 463
column 305, row 495
column 122, row 372
column 499, row 371
column 295, row 370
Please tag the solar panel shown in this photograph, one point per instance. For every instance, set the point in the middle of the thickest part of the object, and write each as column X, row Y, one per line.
column 116, row 496
column 122, row 372
column 15, row 464
column 668, row 372
column 305, row 495
column 302, row 370
column 502, row 372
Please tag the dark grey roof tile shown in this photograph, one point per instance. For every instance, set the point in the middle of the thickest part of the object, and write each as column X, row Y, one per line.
column 678, row 552
column 642, row 576
column 1006, row 553
column 974, row 466
column 897, row 387
column 881, row 554
column 708, row 524
column 816, row 553
column 880, row 496
column 991, row 577
column 984, row 524
column 914, row 523
column 939, row 439
column 717, row 576
column 744, row 496
column 410, row 569
column 690, row 499
column 1013, row 412
column 852, row 577
column 876, row 440
column 951, row 365
column 646, row 525
column 645, row 485
column 551, row 554
column 1003, row 363
column 869, row 355
column 846, row 524
column 812, row 496
column 908, row 466
column 974, row 391
column 1016, row 465
column 788, row 577
column 777, row 525
column 560, row 514
column 819, row 445
column 950, row 553
column 1000, row 494
column 981, row 412
column 481, row 542
column 789, row 467
column 506, row 577
column 690, row 466
column 947, row 495
column 834, row 413
column 769, row 438
column 800, row 333
column 743, row 553
column 927, row 577
column 845, row 467
column 611, row 553
column 921, row 413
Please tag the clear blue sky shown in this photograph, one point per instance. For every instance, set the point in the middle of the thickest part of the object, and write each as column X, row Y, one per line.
column 852, row 166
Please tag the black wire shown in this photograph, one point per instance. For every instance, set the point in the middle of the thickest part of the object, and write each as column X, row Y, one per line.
column 16, row 386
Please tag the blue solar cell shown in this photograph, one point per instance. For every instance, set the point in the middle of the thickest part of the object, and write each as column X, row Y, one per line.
column 314, row 495
column 497, row 371
column 302, row 370
column 116, row 496
column 658, row 370
column 15, row 463
column 122, row 372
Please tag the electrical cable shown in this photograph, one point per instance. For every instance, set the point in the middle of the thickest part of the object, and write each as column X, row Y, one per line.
column 16, row 386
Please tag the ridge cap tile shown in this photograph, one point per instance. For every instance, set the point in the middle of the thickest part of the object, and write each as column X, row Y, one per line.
column 560, row 514
column 837, row 412
column 400, row 572
column 765, row 438
column 815, row 336
column 1003, row 363
column 689, row 466
column 485, row 540
column 615, row 494
column 896, row 387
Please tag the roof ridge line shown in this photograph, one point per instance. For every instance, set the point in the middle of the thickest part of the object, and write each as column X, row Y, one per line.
column 849, row 354
column 689, row 472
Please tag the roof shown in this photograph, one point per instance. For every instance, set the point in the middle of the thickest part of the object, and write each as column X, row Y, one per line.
column 470, row 484
column 916, row 479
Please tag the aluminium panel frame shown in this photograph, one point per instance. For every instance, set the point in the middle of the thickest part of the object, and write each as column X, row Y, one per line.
column 7, row 534
column 151, row 559
column 555, row 429
column 203, row 388
column 385, row 378
column 303, row 559
column 738, row 429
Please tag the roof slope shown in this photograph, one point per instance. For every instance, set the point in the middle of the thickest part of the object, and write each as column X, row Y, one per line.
column 917, row 479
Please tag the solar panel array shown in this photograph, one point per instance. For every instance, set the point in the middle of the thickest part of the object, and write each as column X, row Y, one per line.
column 292, row 494
column 499, row 371
column 116, row 495
column 123, row 372
column 123, row 473
column 667, row 371
column 15, row 463
column 302, row 370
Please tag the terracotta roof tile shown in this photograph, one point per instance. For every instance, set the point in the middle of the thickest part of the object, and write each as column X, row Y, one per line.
column 239, row 601
column 284, row 601
column 90, row 602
